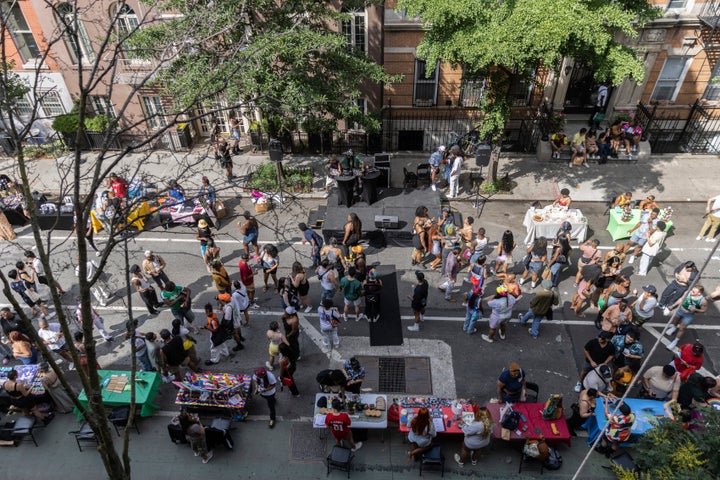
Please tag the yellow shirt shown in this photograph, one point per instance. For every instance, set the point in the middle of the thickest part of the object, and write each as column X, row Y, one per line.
column 578, row 139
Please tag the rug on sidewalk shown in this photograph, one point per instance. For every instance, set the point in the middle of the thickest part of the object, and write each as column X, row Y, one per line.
column 388, row 329
column 306, row 443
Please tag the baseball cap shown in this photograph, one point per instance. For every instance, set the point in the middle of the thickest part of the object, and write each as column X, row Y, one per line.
column 260, row 372
column 698, row 348
column 650, row 289
column 224, row 297
column 148, row 253
column 290, row 310
column 441, row 148
column 547, row 284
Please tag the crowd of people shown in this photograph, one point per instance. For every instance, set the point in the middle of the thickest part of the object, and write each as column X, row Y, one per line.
column 595, row 144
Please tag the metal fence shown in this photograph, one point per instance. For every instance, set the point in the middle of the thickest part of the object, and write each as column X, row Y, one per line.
column 670, row 132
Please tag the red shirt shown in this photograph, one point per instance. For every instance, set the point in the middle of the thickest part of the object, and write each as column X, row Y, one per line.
column 338, row 423
column 246, row 273
column 119, row 188
column 693, row 362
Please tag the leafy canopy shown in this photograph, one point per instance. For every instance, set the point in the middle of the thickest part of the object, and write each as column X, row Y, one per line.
column 288, row 58
column 522, row 35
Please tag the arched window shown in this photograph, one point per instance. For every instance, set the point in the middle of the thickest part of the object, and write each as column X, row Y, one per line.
column 75, row 35
column 127, row 23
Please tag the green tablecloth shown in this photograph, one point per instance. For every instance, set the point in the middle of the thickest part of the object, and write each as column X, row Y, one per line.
column 145, row 392
column 619, row 229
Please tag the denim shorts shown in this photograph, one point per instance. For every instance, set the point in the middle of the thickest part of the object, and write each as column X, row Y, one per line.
column 535, row 267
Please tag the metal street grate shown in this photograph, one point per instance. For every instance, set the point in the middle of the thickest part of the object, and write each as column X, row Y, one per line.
column 306, row 443
column 391, row 375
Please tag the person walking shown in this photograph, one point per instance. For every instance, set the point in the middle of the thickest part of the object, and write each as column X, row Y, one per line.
column 291, row 325
column 712, row 220
column 240, row 304
column 353, row 233
column 328, row 283
column 270, row 261
column 351, row 287
column 29, row 296
column 275, row 337
column 452, row 268
column 473, row 309
column 418, row 300
column 145, row 289
column 97, row 320
column 299, row 282
column 35, row 263
column 204, row 234
column 154, row 266
column 315, row 241
column 220, row 277
column 694, row 302
column 231, row 317
column 265, row 386
column 329, row 321
column 178, row 299
column 287, row 371
column 99, row 288
column 224, row 156
column 540, row 307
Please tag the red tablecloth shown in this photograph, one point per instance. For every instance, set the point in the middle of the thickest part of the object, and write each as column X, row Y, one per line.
column 447, row 415
column 533, row 414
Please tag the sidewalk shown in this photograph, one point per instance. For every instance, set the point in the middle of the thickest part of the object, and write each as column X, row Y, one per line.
column 671, row 178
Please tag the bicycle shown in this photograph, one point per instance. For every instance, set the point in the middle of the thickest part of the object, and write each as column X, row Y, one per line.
column 468, row 143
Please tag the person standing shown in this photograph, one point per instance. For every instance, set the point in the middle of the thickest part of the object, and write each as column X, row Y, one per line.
column 265, row 383
column 195, row 433
column 351, row 287
column 218, row 335
column 329, row 321
column 598, row 351
column 353, row 233
column 154, row 266
column 452, row 268
column 328, row 282
column 372, row 286
column 145, row 289
column 250, row 230
column 643, row 307
column 640, row 232
column 473, row 309
column 712, row 220
column 204, row 235
column 37, row 265
column 651, row 248
column 141, row 351
column 99, row 289
column 291, row 325
column 455, row 172
column 178, row 299
column 224, row 156
column 208, row 198
column 436, row 159
column 694, row 302
column 684, row 274
column 98, row 322
column 540, row 307
column 339, row 425
column 247, row 277
column 226, row 303
column 270, row 261
column 29, row 296
column 355, row 375
column 240, row 304
column 501, row 305
column 476, row 435
column 287, row 371
column 418, row 300
column 315, row 241
column 235, row 131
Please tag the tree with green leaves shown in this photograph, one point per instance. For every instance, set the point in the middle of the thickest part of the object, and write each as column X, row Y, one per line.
column 513, row 38
column 289, row 60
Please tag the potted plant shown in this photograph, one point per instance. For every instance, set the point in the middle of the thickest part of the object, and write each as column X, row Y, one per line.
column 95, row 129
column 67, row 125
column 556, row 122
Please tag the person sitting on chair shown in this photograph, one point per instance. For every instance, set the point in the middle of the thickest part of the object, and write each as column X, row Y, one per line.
column 511, row 384
column 422, row 432
column 619, row 429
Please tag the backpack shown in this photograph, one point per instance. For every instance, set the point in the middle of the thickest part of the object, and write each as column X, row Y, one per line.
column 554, row 461
column 553, row 407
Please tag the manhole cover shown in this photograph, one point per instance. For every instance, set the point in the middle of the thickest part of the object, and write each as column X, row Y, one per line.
column 391, row 374
column 306, row 443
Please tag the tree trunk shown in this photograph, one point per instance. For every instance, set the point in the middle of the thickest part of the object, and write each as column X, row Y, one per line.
column 494, row 162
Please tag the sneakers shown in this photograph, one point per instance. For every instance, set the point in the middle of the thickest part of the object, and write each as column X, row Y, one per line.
column 254, row 306
column 344, row 318
column 533, row 284
column 473, row 461
column 457, row 459
column 671, row 330
column 632, row 259
column 710, row 240
column 473, row 331
column 433, row 187
column 699, row 237
column 451, row 300
column 531, row 332
column 570, row 164
column 578, row 387
column 522, row 281
column 520, row 319
column 486, row 338
column 271, row 424
column 358, row 446
column 586, row 165
column 414, row 327
column 629, row 156
column 208, row 457
column 308, row 309
column 556, row 155
column 502, row 335
column 672, row 345
column 269, row 367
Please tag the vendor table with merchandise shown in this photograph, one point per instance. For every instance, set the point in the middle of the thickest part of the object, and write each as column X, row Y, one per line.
column 545, row 222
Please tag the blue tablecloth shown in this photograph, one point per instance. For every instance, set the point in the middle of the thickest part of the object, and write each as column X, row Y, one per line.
column 646, row 413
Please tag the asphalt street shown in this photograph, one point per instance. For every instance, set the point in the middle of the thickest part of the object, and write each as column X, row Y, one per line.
column 461, row 365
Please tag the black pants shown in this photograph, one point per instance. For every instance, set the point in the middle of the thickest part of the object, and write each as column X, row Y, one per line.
column 270, row 399
column 672, row 293
column 372, row 306
column 161, row 279
column 149, row 296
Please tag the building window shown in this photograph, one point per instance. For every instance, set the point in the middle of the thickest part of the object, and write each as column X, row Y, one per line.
column 472, row 88
column 127, row 24
column 24, row 107
column 676, row 4
column 51, row 103
column 19, row 31
column 712, row 92
column 75, row 35
column 354, row 30
column 102, row 105
column 154, row 112
column 425, row 88
column 521, row 88
column 670, row 79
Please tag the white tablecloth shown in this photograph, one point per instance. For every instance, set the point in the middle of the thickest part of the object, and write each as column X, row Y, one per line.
column 359, row 420
column 549, row 228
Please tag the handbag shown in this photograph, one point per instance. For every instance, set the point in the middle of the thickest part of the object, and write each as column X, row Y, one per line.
column 466, row 255
column 546, row 274
column 187, row 344
column 553, row 407
column 511, row 420
column 32, row 295
column 220, row 210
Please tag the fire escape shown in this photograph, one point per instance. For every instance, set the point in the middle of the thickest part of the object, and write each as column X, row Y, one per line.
column 710, row 19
